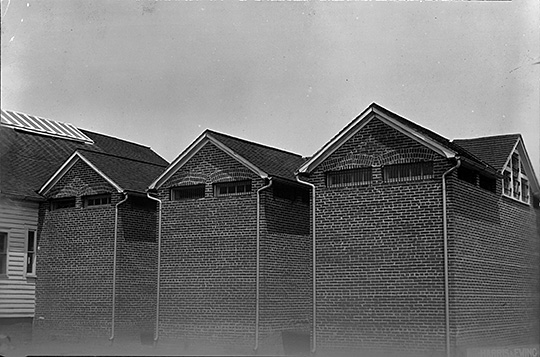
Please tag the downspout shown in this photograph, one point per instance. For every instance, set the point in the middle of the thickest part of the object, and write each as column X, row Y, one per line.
column 156, row 332
column 314, row 327
column 445, row 238
column 114, row 264
column 257, row 299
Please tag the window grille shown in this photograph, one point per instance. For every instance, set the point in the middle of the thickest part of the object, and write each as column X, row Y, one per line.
column 344, row 178
column 60, row 203
column 187, row 192
column 98, row 200
column 408, row 172
column 232, row 188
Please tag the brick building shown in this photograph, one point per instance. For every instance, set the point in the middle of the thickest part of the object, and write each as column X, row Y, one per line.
column 235, row 244
column 424, row 244
column 59, row 189
column 389, row 239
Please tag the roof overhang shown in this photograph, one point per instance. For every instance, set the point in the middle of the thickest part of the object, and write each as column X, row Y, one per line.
column 66, row 166
column 194, row 148
column 372, row 112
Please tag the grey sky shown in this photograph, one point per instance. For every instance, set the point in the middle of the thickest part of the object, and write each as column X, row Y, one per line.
column 286, row 74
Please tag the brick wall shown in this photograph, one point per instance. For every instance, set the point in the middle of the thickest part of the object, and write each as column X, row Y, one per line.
column 495, row 250
column 208, row 255
column 288, row 216
column 137, row 268
column 75, row 264
column 285, row 261
column 74, row 269
column 380, row 250
column 208, row 284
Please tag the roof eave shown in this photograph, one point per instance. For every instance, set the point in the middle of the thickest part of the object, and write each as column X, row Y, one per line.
column 357, row 124
column 66, row 166
column 197, row 145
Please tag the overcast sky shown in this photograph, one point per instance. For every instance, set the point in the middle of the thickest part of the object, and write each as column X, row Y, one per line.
column 285, row 74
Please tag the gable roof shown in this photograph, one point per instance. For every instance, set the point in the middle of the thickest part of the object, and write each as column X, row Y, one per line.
column 121, row 173
column 29, row 159
column 497, row 151
column 263, row 160
column 492, row 149
column 416, row 132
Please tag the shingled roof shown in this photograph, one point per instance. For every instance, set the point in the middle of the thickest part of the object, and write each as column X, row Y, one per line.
column 28, row 159
column 264, row 160
column 275, row 162
column 492, row 149
column 427, row 137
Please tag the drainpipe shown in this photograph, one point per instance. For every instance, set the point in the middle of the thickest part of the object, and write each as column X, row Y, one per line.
column 258, row 263
column 314, row 328
column 445, row 237
column 114, row 264
column 156, row 333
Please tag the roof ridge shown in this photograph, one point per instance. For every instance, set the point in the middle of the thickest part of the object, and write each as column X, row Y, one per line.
column 489, row 137
column 120, row 157
column 414, row 126
column 115, row 138
column 254, row 143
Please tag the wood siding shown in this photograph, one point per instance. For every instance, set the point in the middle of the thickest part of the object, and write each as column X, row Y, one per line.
column 17, row 290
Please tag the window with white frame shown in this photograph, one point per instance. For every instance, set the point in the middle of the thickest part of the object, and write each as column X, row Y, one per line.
column 3, row 253
column 96, row 200
column 31, row 244
column 515, row 181
column 232, row 188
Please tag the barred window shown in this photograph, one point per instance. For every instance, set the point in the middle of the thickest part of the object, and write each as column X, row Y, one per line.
column 60, row 203
column 408, row 172
column 345, row 178
column 187, row 192
column 97, row 200
column 232, row 188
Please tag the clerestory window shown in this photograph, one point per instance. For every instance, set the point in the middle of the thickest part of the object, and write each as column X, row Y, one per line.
column 61, row 203
column 408, row 172
column 97, row 200
column 344, row 178
column 232, row 188
column 187, row 192
column 515, row 181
